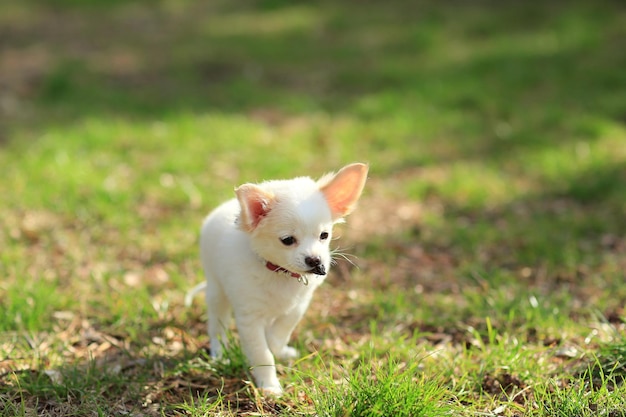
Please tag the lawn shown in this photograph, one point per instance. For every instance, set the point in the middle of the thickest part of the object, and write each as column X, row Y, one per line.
column 487, row 257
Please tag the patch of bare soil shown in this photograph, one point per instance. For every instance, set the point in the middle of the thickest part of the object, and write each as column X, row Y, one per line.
column 506, row 387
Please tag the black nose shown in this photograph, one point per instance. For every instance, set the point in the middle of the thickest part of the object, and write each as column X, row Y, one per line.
column 316, row 265
column 313, row 261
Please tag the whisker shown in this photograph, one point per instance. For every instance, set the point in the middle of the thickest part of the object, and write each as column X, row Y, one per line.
column 339, row 253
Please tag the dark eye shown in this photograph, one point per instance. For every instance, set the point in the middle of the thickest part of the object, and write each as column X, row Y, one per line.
column 324, row 236
column 288, row 241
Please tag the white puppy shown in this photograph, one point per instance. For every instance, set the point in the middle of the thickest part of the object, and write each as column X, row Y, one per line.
column 264, row 253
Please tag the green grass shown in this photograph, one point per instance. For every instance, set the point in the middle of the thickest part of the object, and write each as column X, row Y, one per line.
column 379, row 387
column 489, row 243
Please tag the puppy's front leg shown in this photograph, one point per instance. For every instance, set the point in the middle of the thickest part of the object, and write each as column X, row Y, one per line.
column 279, row 332
column 257, row 351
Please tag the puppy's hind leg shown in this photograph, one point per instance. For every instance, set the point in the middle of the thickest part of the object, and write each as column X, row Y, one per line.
column 219, row 316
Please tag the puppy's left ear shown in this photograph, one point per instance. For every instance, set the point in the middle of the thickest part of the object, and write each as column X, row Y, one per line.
column 343, row 189
column 255, row 203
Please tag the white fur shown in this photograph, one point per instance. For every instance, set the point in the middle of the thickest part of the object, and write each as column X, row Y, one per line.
column 241, row 235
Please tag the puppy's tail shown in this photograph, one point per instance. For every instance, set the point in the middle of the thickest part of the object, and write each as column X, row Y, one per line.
column 193, row 292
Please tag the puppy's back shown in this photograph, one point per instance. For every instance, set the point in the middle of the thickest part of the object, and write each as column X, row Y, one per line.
column 220, row 236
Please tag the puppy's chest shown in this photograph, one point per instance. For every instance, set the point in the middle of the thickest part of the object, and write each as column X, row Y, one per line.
column 282, row 297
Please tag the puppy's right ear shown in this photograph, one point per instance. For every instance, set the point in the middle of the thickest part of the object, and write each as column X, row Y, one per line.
column 255, row 204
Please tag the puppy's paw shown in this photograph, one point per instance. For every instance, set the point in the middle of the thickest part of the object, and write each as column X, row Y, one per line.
column 216, row 352
column 221, row 360
column 272, row 390
column 288, row 353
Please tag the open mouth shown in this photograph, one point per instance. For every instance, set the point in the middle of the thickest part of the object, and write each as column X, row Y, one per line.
column 318, row 270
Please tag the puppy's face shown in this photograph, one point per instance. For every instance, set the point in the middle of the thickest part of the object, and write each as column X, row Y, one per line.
column 296, row 234
column 290, row 222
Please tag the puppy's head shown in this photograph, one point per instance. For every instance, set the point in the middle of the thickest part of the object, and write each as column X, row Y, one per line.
column 290, row 221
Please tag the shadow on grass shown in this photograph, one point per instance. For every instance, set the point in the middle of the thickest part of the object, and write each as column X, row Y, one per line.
column 568, row 237
column 522, row 68
column 548, row 258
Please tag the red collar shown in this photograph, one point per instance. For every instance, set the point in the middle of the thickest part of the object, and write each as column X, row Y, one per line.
column 275, row 268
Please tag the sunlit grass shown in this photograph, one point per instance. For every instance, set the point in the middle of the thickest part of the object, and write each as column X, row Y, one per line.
column 380, row 387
